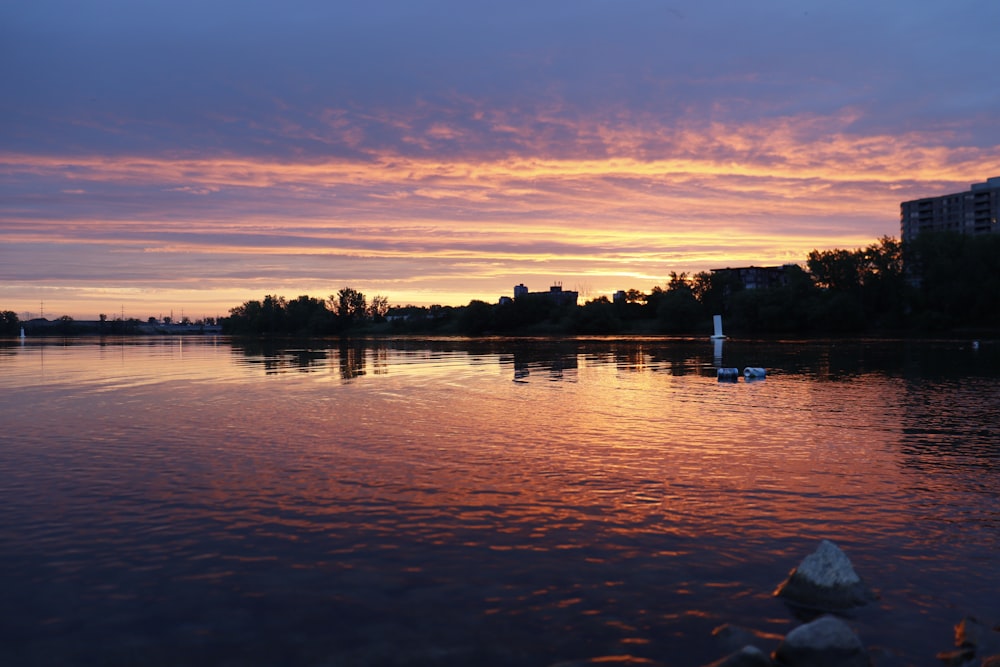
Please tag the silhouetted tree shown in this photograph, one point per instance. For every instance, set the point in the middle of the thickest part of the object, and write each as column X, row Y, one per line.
column 957, row 279
column 272, row 314
column 351, row 306
column 677, row 310
column 10, row 325
column 378, row 308
column 837, row 270
column 65, row 325
column 307, row 316
column 476, row 318
column 863, row 288
column 598, row 316
column 883, row 283
column 635, row 296
column 701, row 286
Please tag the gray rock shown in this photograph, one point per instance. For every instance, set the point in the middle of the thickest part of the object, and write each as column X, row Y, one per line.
column 733, row 638
column 825, row 642
column 748, row 656
column 825, row 580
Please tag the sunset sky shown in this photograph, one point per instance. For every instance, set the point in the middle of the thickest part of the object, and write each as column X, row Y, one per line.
column 189, row 156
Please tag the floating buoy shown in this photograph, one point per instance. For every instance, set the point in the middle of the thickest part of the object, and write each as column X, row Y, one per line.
column 754, row 373
column 717, row 325
column 729, row 374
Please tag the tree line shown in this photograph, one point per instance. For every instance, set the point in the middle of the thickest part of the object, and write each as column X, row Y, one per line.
column 939, row 282
column 345, row 311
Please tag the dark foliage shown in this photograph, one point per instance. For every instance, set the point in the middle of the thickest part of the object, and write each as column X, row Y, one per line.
column 10, row 325
column 305, row 316
column 955, row 280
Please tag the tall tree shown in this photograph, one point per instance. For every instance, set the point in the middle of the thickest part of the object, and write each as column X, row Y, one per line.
column 677, row 308
column 9, row 323
column 838, row 270
column 378, row 307
column 957, row 278
column 307, row 315
column 351, row 305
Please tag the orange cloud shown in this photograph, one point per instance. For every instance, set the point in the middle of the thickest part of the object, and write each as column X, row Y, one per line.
column 628, row 201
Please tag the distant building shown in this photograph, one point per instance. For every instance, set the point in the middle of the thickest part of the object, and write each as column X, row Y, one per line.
column 974, row 211
column 756, row 277
column 556, row 294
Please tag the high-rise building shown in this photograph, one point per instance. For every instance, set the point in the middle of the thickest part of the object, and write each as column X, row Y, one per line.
column 974, row 211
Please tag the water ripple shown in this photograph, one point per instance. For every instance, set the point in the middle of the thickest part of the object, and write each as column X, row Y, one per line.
column 485, row 502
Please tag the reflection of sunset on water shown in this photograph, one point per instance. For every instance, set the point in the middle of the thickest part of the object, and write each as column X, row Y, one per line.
column 514, row 491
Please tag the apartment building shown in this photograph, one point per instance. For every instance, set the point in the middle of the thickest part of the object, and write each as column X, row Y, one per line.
column 974, row 211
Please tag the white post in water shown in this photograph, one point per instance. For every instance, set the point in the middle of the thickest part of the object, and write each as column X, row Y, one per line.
column 717, row 320
column 22, row 333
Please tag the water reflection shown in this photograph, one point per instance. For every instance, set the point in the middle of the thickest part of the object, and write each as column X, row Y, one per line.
column 404, row 502
column 557, row 359
column 556, row 362
column 351, row 358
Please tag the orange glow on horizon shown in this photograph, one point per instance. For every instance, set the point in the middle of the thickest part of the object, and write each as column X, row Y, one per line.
column 428, row 230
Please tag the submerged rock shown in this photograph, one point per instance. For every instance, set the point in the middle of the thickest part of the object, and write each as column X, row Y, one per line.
column 733, row 638
column 825, row 580
column 825, row 642
column 970, row 631
column 977, row 644
column 957, row 658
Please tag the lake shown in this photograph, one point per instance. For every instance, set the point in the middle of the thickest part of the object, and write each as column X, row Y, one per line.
column 200, row 501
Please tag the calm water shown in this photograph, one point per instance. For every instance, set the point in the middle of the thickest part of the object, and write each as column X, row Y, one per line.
column 447, row 502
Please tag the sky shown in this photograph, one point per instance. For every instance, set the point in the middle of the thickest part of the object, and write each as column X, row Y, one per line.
column 188, row 156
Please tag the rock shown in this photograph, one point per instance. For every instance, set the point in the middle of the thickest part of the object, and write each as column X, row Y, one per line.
column 748, row 656
column 957, row 658
column 977, row 644
column 733, row 638
column 825, row 580
column 825, row 642
column 970, row 632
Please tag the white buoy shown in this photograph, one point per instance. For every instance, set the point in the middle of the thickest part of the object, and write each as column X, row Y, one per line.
column 975, row 345
column 717, row 321
column 729, row 375
column 22, row 333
